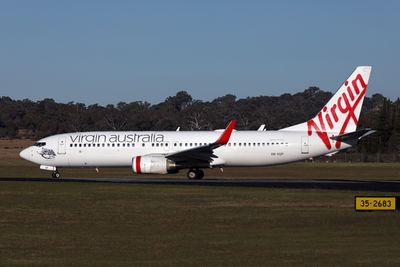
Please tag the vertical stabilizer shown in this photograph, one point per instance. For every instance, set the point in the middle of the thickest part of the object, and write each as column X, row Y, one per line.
column 340, row 115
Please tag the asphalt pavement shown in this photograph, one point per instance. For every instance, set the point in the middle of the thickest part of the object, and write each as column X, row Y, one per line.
column 380, row 185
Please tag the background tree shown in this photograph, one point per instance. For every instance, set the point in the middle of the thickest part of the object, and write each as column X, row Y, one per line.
column 26, row 118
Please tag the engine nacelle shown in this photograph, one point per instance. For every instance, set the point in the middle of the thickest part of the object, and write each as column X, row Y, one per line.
column 157, row 164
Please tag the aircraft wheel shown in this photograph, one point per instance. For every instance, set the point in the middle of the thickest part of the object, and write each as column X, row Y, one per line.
column 56, row 175
column 200, row 174
column 195, row 174
column 192, row 174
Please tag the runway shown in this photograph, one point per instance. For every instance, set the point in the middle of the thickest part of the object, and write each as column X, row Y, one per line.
column 333, row 184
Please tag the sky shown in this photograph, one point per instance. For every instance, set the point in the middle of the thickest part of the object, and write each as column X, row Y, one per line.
column 110, row 51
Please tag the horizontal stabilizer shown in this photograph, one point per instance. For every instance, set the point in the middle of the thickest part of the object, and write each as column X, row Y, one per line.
column 331, row 154
column 353, row 136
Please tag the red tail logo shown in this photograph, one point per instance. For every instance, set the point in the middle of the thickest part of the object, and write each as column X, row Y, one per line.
column 346, row 104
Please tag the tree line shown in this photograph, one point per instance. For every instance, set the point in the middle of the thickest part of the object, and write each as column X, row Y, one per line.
column 34, row 120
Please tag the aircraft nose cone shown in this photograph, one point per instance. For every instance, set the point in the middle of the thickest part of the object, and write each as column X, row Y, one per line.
column 24, row 154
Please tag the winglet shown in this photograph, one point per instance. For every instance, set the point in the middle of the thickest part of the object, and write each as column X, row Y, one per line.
column 261, row 128
column 226, row 135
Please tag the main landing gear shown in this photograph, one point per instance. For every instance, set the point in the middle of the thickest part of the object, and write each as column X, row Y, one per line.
column 56, row 175
column 195, row 174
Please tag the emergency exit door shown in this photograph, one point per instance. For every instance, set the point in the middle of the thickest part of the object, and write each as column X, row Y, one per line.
column 305, row 146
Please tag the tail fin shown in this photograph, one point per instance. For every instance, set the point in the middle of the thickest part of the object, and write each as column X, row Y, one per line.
column 340, row 115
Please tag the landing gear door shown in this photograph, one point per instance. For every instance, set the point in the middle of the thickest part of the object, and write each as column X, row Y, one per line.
column 61, row 145
column 305, row 146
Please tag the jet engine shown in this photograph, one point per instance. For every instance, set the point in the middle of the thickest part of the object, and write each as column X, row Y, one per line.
column 156, row 163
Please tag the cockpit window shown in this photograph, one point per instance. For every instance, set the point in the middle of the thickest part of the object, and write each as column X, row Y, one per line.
column 40, row 144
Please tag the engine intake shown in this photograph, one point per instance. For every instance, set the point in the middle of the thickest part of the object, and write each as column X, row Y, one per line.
column 156, row 164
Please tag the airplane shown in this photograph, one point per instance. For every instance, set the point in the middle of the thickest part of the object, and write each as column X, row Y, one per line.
column 162, row 152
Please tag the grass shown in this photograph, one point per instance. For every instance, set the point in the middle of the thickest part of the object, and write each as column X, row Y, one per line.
column 64, row 224
column 103, row 224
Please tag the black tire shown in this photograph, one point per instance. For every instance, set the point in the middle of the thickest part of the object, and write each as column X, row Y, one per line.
column 192, row 174
column 200, row 174
column 56, row 175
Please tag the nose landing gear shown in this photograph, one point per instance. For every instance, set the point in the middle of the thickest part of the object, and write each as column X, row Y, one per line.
column 195, row 174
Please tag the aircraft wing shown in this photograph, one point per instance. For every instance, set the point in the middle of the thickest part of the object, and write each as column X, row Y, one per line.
column 203, row 154
column 353, row 136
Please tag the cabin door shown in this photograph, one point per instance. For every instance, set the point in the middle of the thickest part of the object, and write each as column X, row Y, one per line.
column 61, row 145
column 305, row 146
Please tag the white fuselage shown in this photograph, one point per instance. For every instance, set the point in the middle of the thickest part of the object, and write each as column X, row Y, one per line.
column 116, row 149
column 332, row 129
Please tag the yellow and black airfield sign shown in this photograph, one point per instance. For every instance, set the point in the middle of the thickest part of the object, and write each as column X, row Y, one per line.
column 374, row 203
